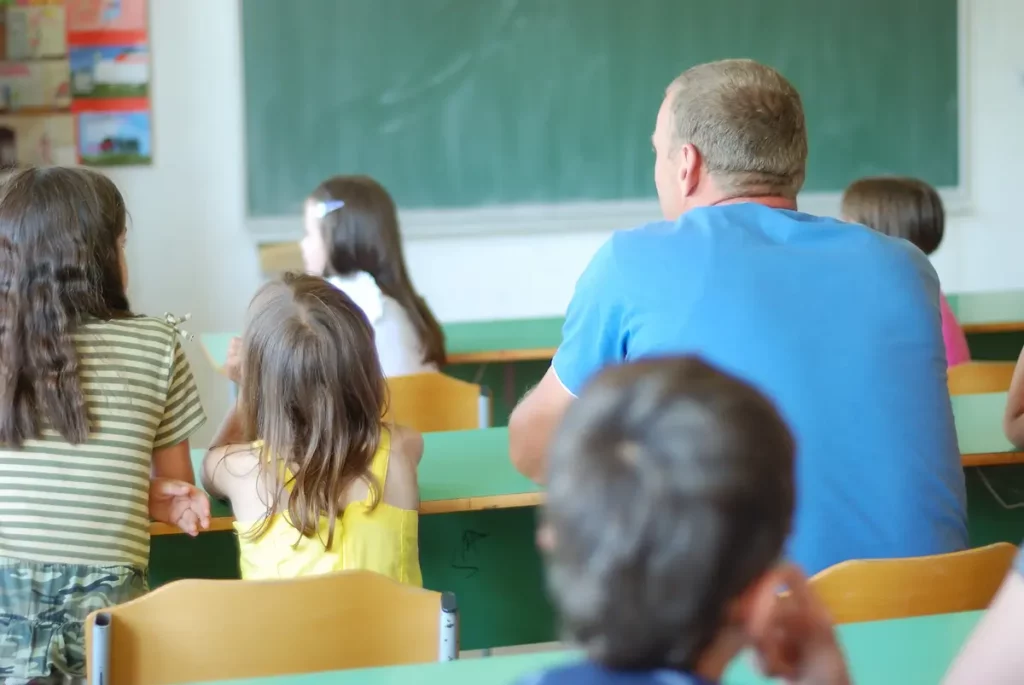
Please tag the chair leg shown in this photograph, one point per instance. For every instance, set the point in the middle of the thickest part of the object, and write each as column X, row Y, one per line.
column 448, row 642
column 99, row 655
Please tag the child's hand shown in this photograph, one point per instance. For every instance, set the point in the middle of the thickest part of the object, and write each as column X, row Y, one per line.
column 794, row 637
column 233, row 364
column 180, row 504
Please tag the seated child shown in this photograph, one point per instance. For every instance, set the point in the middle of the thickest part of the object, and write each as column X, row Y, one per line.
column 96, row 409
column 910, row 209
column 317, row 481
column 352, row 240
column 670, row 496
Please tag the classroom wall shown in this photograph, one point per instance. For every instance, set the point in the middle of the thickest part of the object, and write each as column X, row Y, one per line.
column 189, row 251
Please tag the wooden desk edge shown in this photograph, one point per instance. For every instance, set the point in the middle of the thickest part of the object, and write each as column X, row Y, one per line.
column 994, row 327
column 498, row 356
column 493, row 357
column 444, row 506
column 992, row 459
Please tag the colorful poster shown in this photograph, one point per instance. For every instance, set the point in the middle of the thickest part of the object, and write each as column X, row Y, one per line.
column 106, row 15
column 35, row 85
column 111, row 71
column 35, row 32
column 37, row 140
column 114, row 138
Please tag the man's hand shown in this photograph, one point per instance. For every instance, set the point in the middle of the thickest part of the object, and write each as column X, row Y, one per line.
column 180, row 504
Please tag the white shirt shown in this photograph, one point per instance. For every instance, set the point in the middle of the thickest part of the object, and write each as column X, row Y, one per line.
column 398, row 346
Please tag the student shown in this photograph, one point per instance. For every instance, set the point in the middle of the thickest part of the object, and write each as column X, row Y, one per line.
column 327, row 486
column 352, row 239
column 1013, row 419
column 96, row 408
column 910, row 209
column 670, row 498
column 992, row 654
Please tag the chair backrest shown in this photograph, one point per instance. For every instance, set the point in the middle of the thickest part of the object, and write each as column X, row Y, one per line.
column 974, row 378
column 879, row 589
column 433, row 402
column 200, row 630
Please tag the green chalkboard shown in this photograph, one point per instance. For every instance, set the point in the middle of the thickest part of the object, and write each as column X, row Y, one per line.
column 462, row 103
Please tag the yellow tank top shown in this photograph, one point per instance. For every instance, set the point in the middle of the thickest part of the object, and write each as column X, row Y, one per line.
column 384, row 540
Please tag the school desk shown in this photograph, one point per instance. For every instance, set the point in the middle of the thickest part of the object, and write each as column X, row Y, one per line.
column 460, row 471
column 471, row 346
column 471, row 470
column 910, row 651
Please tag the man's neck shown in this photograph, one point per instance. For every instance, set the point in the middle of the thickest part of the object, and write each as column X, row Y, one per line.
column 773, row 201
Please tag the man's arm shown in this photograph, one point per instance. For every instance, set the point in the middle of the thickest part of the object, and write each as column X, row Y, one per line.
column 533, row 423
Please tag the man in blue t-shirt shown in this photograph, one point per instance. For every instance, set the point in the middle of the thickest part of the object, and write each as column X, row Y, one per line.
column 839, row 325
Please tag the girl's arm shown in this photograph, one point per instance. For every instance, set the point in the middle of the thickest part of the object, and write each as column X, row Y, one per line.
column 1013, row 420
column 174, row 462
column 230, row 431
column 992, row 654
column 173, row 497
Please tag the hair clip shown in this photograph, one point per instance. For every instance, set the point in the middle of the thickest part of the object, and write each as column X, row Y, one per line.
column 327, row 206
column 175, row 323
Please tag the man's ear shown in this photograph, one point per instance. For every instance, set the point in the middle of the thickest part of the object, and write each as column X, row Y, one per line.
column 690, row 168
column 545, row 538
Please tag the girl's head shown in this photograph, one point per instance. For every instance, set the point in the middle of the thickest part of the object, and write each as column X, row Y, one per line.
column 313, row 392
column 900, row 207
column 352, row 226
column 62, row 234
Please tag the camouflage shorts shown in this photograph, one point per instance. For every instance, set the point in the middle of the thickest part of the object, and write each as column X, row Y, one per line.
column 43, row 607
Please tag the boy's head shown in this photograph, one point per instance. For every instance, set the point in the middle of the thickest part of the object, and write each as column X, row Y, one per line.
column 670, row 496
column 899, row 207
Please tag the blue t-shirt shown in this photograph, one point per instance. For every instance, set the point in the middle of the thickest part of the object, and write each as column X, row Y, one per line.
column 837, row 323
column 589, row 673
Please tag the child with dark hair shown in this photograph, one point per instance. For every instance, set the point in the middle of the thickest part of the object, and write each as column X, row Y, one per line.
column 670, row 498
column 96, row 409
column 911, row 209
column 353, row 240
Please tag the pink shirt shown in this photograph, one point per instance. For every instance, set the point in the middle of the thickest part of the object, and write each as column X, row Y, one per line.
column 953, row 336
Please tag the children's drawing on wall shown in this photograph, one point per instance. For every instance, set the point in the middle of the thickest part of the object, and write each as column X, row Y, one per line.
column 106, row 15
column 34, row 32
column 37, row 140
column 42, row 84
column 110, row 71
column 114, row 138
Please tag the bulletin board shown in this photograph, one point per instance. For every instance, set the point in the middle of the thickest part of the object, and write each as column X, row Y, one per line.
column 74, row 83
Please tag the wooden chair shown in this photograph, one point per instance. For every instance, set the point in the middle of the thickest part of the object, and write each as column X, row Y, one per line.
column 973, row 378
column 879, row 589
column 432, row 402
column 200, row 630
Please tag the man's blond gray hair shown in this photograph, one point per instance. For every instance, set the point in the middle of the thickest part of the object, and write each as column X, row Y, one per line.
column 747, row 122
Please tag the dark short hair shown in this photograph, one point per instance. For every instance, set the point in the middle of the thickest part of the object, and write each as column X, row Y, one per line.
column 670, row 492
column 898, row 206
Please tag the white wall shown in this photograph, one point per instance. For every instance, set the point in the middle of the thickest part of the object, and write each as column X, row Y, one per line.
column 189, row 251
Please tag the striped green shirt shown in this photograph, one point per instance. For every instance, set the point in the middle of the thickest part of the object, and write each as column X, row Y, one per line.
column 89, row 503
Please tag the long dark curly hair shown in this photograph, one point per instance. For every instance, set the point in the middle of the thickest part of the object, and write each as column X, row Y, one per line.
column 60, row 265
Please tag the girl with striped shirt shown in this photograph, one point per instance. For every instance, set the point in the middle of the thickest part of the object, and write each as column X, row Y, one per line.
column 96, row 409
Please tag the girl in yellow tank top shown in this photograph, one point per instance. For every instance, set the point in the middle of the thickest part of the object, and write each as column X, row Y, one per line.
column 316, row 481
